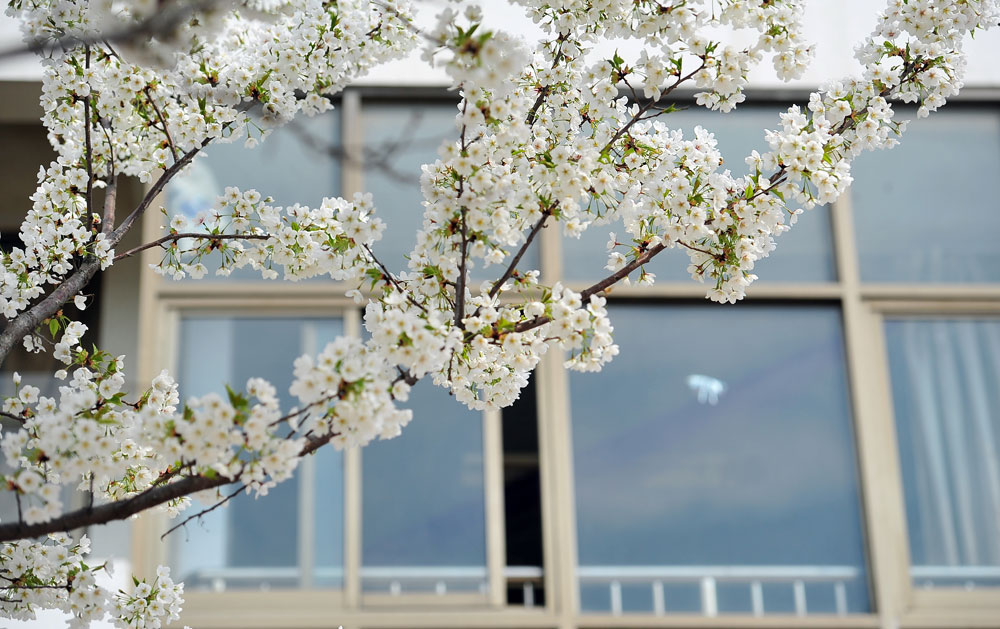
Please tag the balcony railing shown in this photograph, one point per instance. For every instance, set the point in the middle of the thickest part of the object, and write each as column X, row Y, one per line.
column 967, row 577
column 708, row 578
column 394, row 580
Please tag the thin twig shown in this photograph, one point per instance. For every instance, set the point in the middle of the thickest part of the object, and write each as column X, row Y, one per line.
column 392, row 279
column 204, row 511
column 650, row 105
column 180, row 236
column 163, row 122
column 16, row 418
column 520, row 253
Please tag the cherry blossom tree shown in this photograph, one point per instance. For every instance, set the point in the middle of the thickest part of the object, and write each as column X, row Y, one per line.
column 548, row 135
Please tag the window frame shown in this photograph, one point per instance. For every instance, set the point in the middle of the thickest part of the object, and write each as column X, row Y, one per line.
column 918, row 606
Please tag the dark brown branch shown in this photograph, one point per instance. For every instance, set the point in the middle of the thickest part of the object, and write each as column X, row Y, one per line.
column 19, row 419
column 122, row 509
column 24, row 323
column 202, row 235
column 118, row 510
column 88, row 149
column 464, row 247
column 586, row 294
column 544, row 91
column 110, row 197
column 31, row 318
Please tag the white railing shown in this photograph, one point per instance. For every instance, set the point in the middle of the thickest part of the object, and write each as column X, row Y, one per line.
column 394, row 580
column 950, row 576
column 398, row 580
column 707, row 579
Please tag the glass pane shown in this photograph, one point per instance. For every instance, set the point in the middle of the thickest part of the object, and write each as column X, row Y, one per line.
column 294, row 164
column 250, row 543
column 398, row 140
column 803, row 254
column 922, row 211
column 423, row 506
column 523, row 500
column 715, row 465
column 947, row 408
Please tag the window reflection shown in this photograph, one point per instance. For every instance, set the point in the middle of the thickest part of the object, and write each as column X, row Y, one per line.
column 295, row 539
column 922, row 219
column 748, row 505
column 423, row 509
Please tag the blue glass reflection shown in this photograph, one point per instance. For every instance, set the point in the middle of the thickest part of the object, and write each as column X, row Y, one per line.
column 423, row 500
column 921, row 211
column 761, row 485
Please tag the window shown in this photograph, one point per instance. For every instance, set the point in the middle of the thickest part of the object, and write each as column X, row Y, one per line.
column 720, row 476
column 947, row 408
column 925, row 220
column 735, row 465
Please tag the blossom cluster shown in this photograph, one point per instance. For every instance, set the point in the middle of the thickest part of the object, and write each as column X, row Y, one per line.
column 333, row 239
column 52, row 574
column 553, row 136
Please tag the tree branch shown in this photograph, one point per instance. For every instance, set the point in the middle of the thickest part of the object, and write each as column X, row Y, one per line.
column 31, row 318
column 650, row 105
column 463, row 252
column 204, row 236
column 155, row 190
column 89, row 153
column 163, row 122
column 122, row 509
column 110, row 194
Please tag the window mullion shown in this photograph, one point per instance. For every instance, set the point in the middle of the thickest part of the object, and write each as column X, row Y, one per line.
column 878, row 461
column 352, row 499
column 493, row 483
